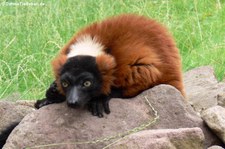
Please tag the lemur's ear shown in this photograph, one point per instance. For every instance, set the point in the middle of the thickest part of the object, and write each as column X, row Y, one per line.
column 57, row 64
column 106, row 65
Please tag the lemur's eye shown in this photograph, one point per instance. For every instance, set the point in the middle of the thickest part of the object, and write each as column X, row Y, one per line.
column 65, row 84
column 87, row 84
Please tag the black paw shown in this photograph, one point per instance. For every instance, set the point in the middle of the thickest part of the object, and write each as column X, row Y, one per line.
column 97, row 106
column 41, row 103
column 52, row 96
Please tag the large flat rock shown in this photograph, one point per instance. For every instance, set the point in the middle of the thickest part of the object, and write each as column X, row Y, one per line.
column 78, row 128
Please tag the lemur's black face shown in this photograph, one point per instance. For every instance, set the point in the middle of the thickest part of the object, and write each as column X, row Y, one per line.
column 81, row 80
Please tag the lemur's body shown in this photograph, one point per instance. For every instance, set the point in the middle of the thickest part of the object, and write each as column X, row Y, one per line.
column 121, row 56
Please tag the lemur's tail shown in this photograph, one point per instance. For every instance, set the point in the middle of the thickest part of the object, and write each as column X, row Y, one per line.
column 5, row 133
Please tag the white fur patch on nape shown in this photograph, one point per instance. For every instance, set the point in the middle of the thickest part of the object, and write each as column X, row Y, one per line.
column 86, row 45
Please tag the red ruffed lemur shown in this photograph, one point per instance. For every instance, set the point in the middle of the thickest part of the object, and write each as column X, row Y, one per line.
column 118, row 57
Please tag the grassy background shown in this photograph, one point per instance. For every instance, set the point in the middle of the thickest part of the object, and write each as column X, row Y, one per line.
column 30, row 36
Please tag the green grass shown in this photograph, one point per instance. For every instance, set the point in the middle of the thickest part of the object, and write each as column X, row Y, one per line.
column 30, row 36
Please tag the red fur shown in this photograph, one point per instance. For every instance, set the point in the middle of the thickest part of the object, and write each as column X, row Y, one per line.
column 106, row 65
column 141, row 54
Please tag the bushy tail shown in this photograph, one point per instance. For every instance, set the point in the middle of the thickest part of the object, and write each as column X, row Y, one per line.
column 4, row 134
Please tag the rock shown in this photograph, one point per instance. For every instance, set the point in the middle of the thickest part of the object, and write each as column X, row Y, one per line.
column 176, row 114
column 29, row 103
column 221, row 99
column 57, row 123
column 183, row 138
column 215, row 119
column 12, row 113
column 202, row 88
column 215, row 147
